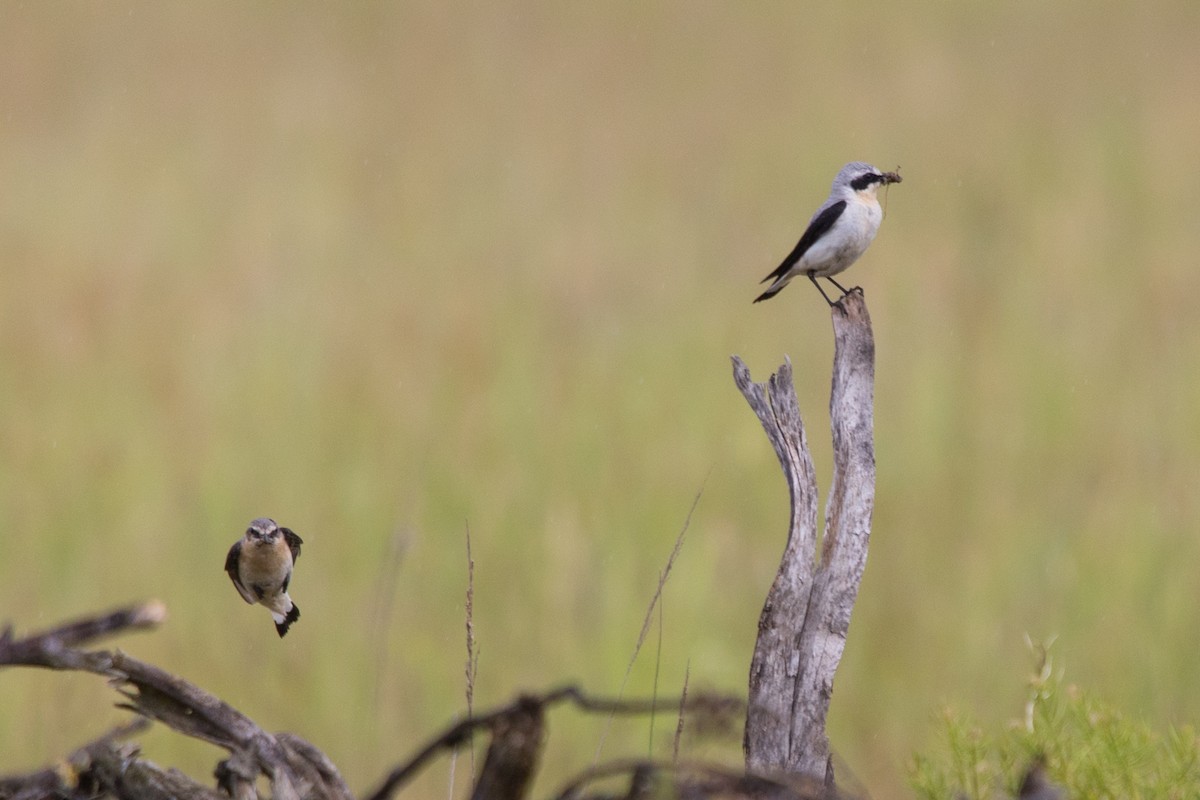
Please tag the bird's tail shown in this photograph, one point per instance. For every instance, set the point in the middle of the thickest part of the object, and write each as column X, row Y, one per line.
column 284, row 621
column 771, row 291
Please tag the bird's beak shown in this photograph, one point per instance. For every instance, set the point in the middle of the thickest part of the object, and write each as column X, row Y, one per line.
column 891, row 177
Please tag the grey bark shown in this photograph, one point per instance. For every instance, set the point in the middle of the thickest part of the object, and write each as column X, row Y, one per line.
column 296, row 769
column 803, row 626
column 110, row 768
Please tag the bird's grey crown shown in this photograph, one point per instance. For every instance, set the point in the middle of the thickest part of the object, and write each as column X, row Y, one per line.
column 263, row 526
column 851, row 171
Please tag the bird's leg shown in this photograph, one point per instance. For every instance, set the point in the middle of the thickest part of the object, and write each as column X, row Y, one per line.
column 813, row 278
column 845, row 291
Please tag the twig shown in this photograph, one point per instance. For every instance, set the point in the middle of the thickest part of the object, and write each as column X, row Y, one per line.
column 73, row 777
column 52, row 649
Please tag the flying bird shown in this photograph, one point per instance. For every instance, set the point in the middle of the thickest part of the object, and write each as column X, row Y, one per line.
column 260, row 566
column 838, row 233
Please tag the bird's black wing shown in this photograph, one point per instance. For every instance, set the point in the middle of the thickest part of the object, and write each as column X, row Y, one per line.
column 819, row 226
column 231, row 566
column 293, row 542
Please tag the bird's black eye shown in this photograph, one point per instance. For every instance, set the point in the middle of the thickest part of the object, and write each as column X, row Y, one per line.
column 865, row 180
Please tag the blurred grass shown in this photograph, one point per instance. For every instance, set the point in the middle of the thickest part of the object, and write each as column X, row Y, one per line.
column 383, row 268
column 1084, row 746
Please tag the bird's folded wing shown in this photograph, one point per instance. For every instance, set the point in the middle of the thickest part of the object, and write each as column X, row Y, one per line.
column 821, row 222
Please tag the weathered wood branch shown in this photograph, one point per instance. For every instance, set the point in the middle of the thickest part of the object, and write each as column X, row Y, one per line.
column 803, row 626
column 296, row 769
column 683, row 779
column 54, row 648
column 518, row 730
column 77, row 776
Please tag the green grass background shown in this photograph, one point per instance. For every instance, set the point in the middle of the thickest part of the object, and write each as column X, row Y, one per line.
column 384, row 271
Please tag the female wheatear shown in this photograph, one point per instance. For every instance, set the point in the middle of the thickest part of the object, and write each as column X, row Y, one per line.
column 260, row 566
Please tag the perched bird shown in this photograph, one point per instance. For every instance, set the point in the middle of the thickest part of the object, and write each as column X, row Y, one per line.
column 260, row 566
column 838, row 233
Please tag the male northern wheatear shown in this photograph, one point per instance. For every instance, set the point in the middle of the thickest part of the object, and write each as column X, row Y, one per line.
column 260, row 566
column 838, row 233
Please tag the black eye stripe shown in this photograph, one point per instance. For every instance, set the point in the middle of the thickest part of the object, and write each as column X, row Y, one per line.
column 863, row 181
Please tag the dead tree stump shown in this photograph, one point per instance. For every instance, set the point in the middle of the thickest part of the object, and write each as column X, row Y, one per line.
column 803, row 625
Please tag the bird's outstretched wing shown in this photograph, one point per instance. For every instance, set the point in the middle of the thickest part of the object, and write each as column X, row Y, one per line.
column 293, row 542
column 820, row 225
column 231, row 566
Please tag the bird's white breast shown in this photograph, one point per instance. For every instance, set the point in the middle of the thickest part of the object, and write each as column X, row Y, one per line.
column 847, row 239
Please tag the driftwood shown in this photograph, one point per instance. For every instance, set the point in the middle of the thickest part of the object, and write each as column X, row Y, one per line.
column 804, row 621
column 651, row 780
column 295, row 768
